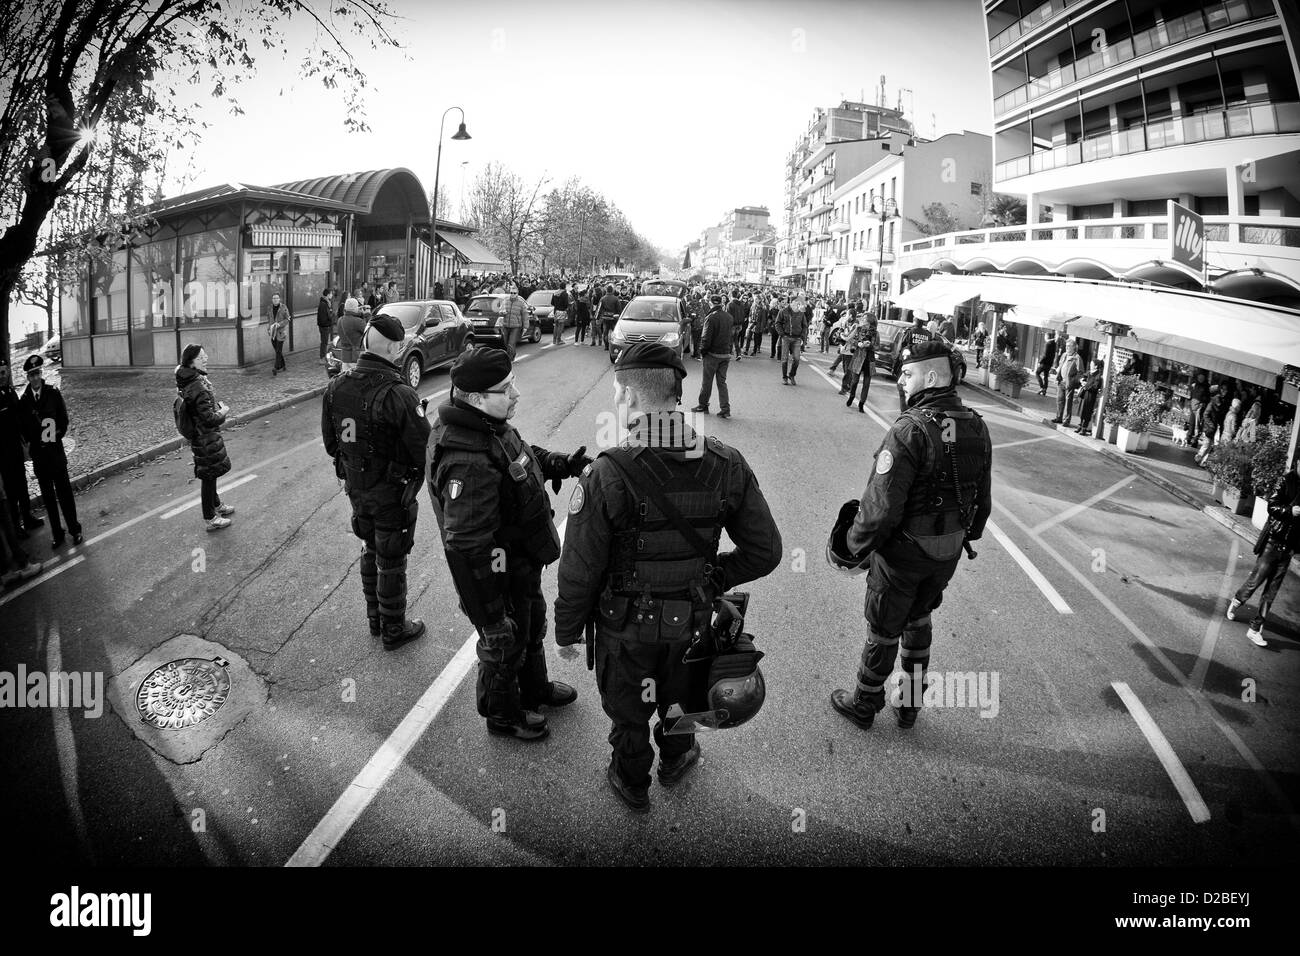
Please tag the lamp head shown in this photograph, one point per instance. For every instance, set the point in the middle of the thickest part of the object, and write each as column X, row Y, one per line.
column 460, row 133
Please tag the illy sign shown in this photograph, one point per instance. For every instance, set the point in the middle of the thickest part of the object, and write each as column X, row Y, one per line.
column 1186, row 238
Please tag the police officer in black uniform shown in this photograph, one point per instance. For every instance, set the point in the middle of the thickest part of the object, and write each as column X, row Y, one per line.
column 376, row 434
column 488, row 489
column 908, row 340
column 45, row 419
column 629, row 566
column 927, row 497
column 13, row 457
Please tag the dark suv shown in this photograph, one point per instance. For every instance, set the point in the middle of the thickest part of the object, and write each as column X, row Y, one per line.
column 888, row 334
column 484, row 313
column 436, row 334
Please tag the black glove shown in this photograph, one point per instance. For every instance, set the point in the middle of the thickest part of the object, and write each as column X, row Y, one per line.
column 565, row 640
column 567, row 466
column 578, row 461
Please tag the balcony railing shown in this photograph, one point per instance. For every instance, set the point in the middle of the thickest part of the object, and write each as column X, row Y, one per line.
column 1160, row 37
column 1035, row 18
column 1240, row 229
column 1199, row 127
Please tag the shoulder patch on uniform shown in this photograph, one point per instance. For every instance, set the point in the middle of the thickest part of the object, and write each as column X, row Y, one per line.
column 454, row 488
column 577, row 499
column 587, row 470
column 884, row 461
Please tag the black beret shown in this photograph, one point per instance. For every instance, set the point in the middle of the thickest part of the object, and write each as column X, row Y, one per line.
column 389, row 327
column 922, row 351
column 33, row 361
column 480, row 368
column 650, row 355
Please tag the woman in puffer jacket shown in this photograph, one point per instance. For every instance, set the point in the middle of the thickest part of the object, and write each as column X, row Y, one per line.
column 210, row 458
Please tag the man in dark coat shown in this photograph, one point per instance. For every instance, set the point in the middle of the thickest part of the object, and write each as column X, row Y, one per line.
column 13, row 458
column 325, row 321
column 715, row 344
column 45, row 418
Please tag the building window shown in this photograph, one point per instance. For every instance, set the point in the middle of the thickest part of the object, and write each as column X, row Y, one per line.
column 109, row 293
column 74, row 317
column 209, row 288
column 265, row 274
column 977, row 189
column 153, row 284
column 311, row 277
column 893, row 187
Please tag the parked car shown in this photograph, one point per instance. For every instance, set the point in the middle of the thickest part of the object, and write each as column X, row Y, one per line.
column 52, row 350
column 888, row 334
column 484, row 313
column 436, row 334
column 542, row 308
column 671, row 287
column 648, row 318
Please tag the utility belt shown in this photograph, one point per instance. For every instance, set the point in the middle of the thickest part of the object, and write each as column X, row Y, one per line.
column 940, row 536
column 646, row 618
column 369, row 472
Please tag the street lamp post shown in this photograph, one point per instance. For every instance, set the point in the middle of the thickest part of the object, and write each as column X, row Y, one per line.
column 885, row 209
column 437, row 172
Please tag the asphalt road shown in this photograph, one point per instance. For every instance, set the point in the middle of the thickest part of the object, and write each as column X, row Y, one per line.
column 1097, row 605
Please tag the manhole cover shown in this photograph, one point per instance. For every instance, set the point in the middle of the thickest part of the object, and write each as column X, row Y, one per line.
column 183, row 693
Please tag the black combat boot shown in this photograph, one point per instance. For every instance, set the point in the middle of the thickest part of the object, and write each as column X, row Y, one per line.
column 399, row 631
column 672, row 771
column 906, row 716
column 376, row 628
column 557, row 694
column 636, row 798
column 527, row 726
column 858, row 710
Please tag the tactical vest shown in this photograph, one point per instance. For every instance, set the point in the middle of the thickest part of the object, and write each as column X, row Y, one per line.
column 941, row 503
column 525, row 523
column 374, row 449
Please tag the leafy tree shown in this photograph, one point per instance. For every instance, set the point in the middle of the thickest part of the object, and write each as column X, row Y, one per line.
column 90, row 102
column 937, row 220
column 1007, row 210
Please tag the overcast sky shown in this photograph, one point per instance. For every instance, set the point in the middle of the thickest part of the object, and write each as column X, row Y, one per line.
column 675, row 111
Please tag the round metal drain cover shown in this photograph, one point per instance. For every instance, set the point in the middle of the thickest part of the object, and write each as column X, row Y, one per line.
column 183, row 693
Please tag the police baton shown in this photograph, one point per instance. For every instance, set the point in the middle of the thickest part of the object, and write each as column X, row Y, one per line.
column 589, row 634
column 971, row 553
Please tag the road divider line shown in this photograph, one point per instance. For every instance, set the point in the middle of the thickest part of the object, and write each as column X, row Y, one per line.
column 41, row 579
column 194, row 501
column 1198, row 698
column 65, row 745
column 1023, row 441
column 1211, row 639
column 1082, row 506
column 347, row 809
column 1040, row 581
column 1164, row 753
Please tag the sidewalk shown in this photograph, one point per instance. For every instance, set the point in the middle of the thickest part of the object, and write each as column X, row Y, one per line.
column 1169, row 466
column 118, row 419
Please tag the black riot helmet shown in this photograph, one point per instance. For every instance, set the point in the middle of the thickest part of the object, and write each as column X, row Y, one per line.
column 728, row 688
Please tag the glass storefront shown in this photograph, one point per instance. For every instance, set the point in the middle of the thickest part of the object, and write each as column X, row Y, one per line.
column 108, row 288
column 74, row 318
column 266, row 274
column 153, row 283
column 385, row 263
column 311, row 277
column 209, row 286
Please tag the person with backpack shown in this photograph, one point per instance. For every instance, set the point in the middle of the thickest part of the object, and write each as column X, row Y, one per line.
column 199, row 417
column 1275, row 546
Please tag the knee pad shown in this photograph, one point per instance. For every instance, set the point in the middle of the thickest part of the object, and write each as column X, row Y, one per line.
column 364, row 528
column 394, row 543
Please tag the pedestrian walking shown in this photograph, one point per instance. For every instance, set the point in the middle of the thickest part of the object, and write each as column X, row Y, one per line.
column 1088, row 396
column 928, row 495
column 1275, row 546
column 559, row 315
column 207, row 415
column 1198, row 395
column 375, row 432
column 607, row 312
column 844, row 351
column 13, row 458
column 582, row 316
column 860, row 366
column 488, row 488
column 980, row 341
column 277, row 326
column 738, row 309
column 793, row 326
column 1046, row 362
column 641, row 567
column 715, row 344
column 513, row 320
column 45, row 418
column 325, row 321
column 1068, row 376
column 351, row 328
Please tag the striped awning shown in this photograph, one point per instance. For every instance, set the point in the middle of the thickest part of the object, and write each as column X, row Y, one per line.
column 289, row 236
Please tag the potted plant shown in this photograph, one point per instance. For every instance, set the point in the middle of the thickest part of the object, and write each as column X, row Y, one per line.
column 997, row 366
column 1267, row 467
column 1121, row 386
column 1014, row 375
column 1140, row 411
column 1229, row 463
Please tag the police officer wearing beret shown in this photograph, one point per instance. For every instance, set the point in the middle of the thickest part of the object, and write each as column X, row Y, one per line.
column 375, row 432
column 488, row 489
column 13, row 457
column 927, row 497
column 45, row 419
column 649, row 587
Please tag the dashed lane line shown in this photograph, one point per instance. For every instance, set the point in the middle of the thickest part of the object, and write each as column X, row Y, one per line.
column 1023, row 441
column 1164, row 753
column 37, row 581
column 347, row 809
column 1215, row 624
column 1082, row 506
column 1031, row 570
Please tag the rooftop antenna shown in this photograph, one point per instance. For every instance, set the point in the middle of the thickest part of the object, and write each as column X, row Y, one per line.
column 880, row 97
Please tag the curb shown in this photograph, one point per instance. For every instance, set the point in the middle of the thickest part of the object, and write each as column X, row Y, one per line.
column 81, row 482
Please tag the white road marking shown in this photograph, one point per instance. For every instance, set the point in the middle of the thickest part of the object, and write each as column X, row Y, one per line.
column 65, row 745
column 520, row 358
column 194, row 501
column 1158, row 655
column 1165, row 753
column 545, row 347
column 1212, row 629
column 347, row 809
column 1029, row 568
column 1023, row 441
column 41, row 579
column 1082, row 506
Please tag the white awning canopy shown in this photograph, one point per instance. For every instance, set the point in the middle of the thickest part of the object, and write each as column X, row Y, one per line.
column 938, row 294
column 288, row 236
column 1052, row 319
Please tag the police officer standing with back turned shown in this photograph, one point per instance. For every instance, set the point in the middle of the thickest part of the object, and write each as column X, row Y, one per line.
column 927, row 497
column 488, row 489
column 45, row 417
column 629, row 565
column 375, row 432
